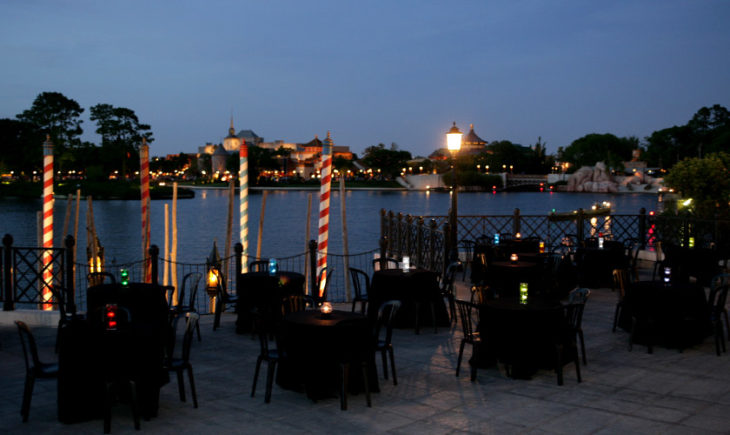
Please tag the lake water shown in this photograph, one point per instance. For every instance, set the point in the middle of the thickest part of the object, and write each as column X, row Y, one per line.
column 202, row 220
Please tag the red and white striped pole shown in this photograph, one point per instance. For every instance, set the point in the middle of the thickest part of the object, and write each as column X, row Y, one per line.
column 324, row 209
column 243, row 200
column 47, row 257
column 144, row 186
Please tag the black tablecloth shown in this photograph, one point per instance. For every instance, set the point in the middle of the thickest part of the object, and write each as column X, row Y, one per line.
column 596, row 265
column 264, row 291
column 89, row 354
column 676, row 316
column 314, row 346
column 409, row 288
column 700, row 263
column 522, row 336
column 506, row 276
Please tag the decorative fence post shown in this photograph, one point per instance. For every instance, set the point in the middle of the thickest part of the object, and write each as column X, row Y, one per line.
column 9, row 296
column 383, row 250
column 516, row 221
column 579, row 224
column 399, row 242
column 383, row 224
column 447, row 246
column 409, row 235
column 391, row 232
column 69, row 243
column 419, row 242
column 312, row 251
column 642, row 228
column 238, row 252
column 154, row 267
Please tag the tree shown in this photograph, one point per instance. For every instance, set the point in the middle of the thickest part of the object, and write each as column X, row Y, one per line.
column 121, row 135
column 592, row 148
column 21, row 147
column 706, row 181
column 389, row 161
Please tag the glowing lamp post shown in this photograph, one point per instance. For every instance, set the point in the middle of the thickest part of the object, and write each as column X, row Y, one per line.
column 453, row 143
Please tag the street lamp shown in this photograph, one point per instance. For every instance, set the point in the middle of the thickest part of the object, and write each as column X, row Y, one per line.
column 453, row 143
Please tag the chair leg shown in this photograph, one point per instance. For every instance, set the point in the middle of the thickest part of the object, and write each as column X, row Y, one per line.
column 345, row 372
column 217, row 318
column 197, row 328
column 366, row 383
column 418, row 318
column 107, row 407
column 582, row 347
column 27, row 395
column 385, row 363
column 256, row 375
column 135, row 405
column 180, row 385
column 392, row 365
column 559, row 365
column 192, row 387
column 615, row 317
column 433, row 318
column 577, row 365
column 270, row 380
column 458, row 359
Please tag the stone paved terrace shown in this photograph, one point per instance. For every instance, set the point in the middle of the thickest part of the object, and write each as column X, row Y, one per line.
column 622, row 392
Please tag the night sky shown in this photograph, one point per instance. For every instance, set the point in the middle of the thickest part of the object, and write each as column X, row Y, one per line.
column 375, row 71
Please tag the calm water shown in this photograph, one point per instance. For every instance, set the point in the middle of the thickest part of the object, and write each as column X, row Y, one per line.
column 203, row 219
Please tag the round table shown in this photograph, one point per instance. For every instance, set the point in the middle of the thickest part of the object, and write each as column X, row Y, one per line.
column 315, row 344
column 264, row 291
column 506, row 276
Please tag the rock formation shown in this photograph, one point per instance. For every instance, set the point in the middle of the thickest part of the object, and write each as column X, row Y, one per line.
column 592, row 179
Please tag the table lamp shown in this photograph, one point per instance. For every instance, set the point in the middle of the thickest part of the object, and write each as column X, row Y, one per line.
column 523, row 292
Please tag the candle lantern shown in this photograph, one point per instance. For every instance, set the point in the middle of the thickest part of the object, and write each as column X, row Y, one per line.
column 513, row 258
column 518, row 235
column 523, row 292
column 326, row 309
column 213, row 282
column 496, row 239
column 406, row 264
column 273, row 266
column 667, row 276
column 542, row 247
column 691, row 242
column 600, row 242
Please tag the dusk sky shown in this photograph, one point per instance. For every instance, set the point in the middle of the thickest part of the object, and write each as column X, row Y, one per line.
column 374, row 71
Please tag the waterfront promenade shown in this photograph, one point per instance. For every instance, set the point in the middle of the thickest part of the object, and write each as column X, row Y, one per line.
column 622, row 392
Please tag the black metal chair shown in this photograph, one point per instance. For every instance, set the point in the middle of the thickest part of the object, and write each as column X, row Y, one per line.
column 361, row 288
column 190, row 284
column 574, row 313
column 620, row 284
column 385, row 263
column 181, row 363
column 272, row 356
column 295, row 303
column 357, row 350
column 716, row 282
column 222, row 300
column 386, row 314
column 469, row 314
column 718, row 299
column 34, row 368
column 447, row 288
column 468, row 247
column 258, row 266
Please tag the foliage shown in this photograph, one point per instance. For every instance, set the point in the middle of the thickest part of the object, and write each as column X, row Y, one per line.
column 706, row 181
column 57, row 116
column 21, row 147
column 389, row 161
column 592, row 148
column 707, row 132
column 121, row 135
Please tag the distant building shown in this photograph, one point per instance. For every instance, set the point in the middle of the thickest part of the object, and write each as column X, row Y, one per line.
column 471, row 145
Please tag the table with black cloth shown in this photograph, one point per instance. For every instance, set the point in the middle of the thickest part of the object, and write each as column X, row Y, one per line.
column 700, row 263
column 596, row 265
column 483, row 257
column 90, row 355
column 675, row 315
column 260, row 290
column 314, row 345
column 412, row 288
column 506, row 276
column 522, row 336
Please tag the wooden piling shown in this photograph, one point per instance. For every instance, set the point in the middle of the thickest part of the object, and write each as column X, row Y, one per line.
column 261, row 225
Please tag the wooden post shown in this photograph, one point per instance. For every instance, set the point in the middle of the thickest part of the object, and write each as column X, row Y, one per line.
column 229, row 227
column 67, row 216
column 166, row 250
column 9, row 290
column 70, row 289
column 76, row 223
column 516, row 221
column 261, row 225
column 173, row 254
column 642, row 229
column 307, row 231
column 343, row 216
column 419, row 242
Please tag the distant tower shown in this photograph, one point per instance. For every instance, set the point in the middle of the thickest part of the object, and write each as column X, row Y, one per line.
column 232, row 142
column 471, row 143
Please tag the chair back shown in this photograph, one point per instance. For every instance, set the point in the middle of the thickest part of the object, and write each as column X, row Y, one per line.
column 718, row 281
column 481, row 292
column 360, row 283
column 190, row 284
column 30, row 350
column 574, row 309
column 717, row 300
column 191, row 322
column 97, row 278
column 469, row 315
column 620, row 282
column 258, row 266
column 468, row 247
column 326, row 274
column 383, row 263
column 579, row 296
column 295, row 303
column 386, row 314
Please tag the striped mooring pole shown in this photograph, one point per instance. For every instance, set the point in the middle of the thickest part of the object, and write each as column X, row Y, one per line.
column 243, row 201
column 144, row 187
column 47, row 257
column 324, row 209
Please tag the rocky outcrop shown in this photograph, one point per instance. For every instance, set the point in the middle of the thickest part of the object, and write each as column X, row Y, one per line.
column 592, row 179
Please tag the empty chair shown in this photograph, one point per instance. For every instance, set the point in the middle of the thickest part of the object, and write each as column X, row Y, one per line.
column 383, row 263
column 620, row 284
column 264, row 329
column 718, row 299
column 447, row 288
column 469, row 314
column 294, row 303
column 384, row 345
column 353, row 352
column 97, row 278
column 223, row 298
column 361, row 288
column 468, row 247
column 258, row 266
column 716, row 282
column 574, row 312
column 323, row 284
column 34, row 368
column 180, row 363
column 189, row 288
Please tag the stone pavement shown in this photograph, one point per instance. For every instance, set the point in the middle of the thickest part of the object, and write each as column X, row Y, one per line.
column 622, row 392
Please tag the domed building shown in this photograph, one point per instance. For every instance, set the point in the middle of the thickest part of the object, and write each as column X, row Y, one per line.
column 471, row 144
column 232, row 143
